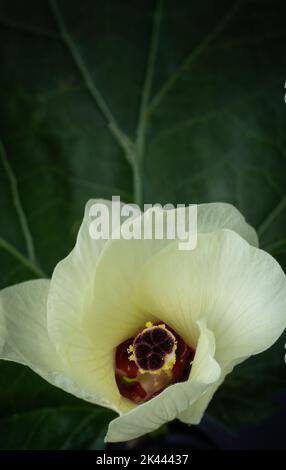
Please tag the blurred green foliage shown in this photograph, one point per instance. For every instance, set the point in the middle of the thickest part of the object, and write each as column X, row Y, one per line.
column 214, row 130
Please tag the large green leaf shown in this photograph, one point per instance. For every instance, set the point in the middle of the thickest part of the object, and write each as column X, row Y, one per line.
column 61, row 428
column 212, row 128
column 35, row 415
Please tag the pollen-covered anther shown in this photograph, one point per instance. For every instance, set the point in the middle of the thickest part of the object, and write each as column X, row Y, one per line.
column 153, row 349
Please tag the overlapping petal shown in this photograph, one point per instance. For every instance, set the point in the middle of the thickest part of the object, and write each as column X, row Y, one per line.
column 24, row 335
column 70, row 297
column 218, row 216
column 23, row 311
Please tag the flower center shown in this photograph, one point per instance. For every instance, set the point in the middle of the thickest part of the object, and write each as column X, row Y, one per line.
column 149, row 362
column 154, row 349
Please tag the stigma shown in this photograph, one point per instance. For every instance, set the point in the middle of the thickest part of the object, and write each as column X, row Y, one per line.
column 153, row 349
column 151, row 361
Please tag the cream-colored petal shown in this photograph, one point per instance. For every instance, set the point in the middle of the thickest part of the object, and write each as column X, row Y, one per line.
column 239, row 289
column 24, row 335
column 173, row 400
column 219, row 215
column 72, row 285
column 194, row 413
column 70, row 297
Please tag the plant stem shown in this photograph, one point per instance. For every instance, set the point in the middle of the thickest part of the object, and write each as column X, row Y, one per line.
column 145, row 98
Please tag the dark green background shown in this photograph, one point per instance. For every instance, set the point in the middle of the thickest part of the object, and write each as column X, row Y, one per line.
column 218, row 134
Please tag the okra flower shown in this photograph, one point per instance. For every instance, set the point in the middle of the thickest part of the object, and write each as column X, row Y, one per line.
column 143, row 328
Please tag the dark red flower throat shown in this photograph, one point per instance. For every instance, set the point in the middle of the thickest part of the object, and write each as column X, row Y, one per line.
column 151, row 361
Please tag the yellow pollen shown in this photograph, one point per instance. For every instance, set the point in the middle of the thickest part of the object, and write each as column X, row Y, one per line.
column 130, row 349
